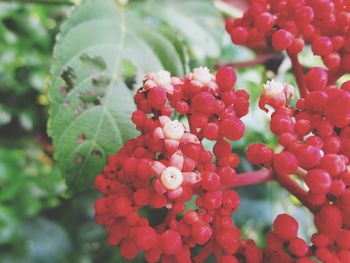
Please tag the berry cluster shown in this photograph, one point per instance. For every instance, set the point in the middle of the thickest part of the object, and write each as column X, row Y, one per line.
column 167, row 165
column 315, row 139
column 290, row 24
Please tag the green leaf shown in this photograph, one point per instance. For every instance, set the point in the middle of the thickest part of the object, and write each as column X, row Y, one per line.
column 100, row 47
column 198, row 21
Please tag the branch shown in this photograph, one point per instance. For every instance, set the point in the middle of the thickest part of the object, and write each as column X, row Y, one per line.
column 259, row 60
column 217, row 253
column 292, row 187
column 205, row 252
column 266, row 175
column 299, row 74
column 45, row 2
column 301, row 173
column 256, row 177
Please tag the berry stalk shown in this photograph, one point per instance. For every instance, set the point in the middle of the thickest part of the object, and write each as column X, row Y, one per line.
column 205, row 252
column 292, row 187
column 299, row 74
column 256, row 177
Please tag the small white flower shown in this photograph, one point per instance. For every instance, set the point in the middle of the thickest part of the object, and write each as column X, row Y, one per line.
column 171, row 178
column 173, row 130
column 162, row 78
column 273, row 87
column 202, row 75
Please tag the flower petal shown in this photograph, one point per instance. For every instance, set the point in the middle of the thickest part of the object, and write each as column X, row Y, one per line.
column 158, row 133
column 164, row 119
column 175, row 193
column 189, row 137
column 191, row 177
column 171, row 145
column 177, row 160
column 157, row 167
column 158, row 187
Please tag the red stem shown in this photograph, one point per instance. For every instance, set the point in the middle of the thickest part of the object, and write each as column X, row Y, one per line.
column 299, row 74
column 334, row 75
column 205, row 252
column 301, row 173
column 296, row 190
column 217, row 253
column 260, row 59
column 170, row 216
column 265, row 175
column 256, row 177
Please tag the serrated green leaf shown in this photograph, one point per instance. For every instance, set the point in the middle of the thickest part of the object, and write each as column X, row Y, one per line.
column 100, row 45
column 198, row 21
column 91, row 104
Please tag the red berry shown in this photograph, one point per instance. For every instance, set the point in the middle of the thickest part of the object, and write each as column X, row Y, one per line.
column 222, row 148
column 298, row 247
column 211, row 131
column 226, row 78
column 319, row 181
column 128, row 249
column 343, row 239
column 316, row 78
column 322, row 46
column 121, row 206
column 329, row 220
column 170, row 242
column 285, row 227
column 239, row 35
column 232, row 128
column 282, row 39
column 201, row 232
column 308, row 156
column 203, row 102
column 145, row 237
column 264, row 22
column 210, row 181
column 157, row 97
column 285, row 163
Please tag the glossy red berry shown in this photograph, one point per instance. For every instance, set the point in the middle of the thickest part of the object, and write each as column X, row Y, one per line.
column 226, row 78
column 285, row 227
column 282, row 39
column 232, row 128
column 285, row 163
column 170, row 242
column 319, row 181
column 316, row 78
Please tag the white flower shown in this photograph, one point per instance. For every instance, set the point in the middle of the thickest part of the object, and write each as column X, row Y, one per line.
column 171, row 178
column 162, row 78
column 273, row 88
column 173, row 130
column 202, row 75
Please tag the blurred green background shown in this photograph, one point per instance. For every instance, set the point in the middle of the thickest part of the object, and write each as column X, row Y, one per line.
column 39, row 222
